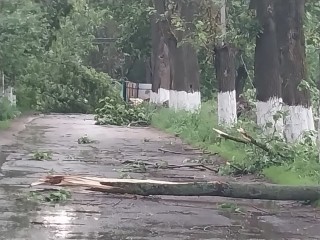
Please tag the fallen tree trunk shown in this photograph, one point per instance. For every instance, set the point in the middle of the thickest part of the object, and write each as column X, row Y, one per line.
column 151, row 187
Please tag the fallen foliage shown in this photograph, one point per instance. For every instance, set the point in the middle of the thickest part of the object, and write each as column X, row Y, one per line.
column 42, row 156
column 84, row 140
column 49, row 196
column 113, row 111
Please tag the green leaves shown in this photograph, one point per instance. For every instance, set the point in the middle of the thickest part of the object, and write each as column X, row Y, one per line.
column 23, row 33
column 133, row 20
column 115, row 111
column 44, row 47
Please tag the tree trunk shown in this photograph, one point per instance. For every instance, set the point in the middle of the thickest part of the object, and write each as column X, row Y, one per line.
column 148, row 70
column 185, row 72
column 267, row 75
column 318, row 122
column 291, row 43
column 160, row 56
column 241, row 78
column 226, row 75
column 242, row 103
column 152, row 187
column 176, row 72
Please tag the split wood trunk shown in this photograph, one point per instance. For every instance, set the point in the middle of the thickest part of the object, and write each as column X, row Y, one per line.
column 221, row 189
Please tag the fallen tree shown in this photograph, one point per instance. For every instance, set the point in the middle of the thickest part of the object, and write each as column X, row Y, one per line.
column 152, row 187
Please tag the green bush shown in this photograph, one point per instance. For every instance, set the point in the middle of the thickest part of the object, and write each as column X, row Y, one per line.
column 7, row 111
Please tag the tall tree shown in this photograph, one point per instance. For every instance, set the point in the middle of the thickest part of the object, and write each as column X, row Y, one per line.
column 185, row 72
column 291, row 40
column 175, row 60
column 226, row 75
column 267, row 75
column 160, row 65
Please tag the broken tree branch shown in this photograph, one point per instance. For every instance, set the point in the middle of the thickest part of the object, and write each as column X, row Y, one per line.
column 171, row 166
column 191, row 166
column 138, row 123
column 215, row 188
column 247, row 139
column 182, row 153
column 264, row 147
column 229, row 137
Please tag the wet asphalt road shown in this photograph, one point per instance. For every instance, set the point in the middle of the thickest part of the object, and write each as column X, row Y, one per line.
column 101, row 216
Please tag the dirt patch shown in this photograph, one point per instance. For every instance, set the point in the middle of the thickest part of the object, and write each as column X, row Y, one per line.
column 105, row 216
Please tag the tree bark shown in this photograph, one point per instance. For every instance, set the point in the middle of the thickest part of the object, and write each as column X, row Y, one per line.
column 267, row 72
column 241, row 78
column 242, row 103
column 318, row 122
column 185, row 72
column 226, row 76
column 151, row 187
column 176, row 73
column 148, row 70
column 161, row 80
column 291, row 43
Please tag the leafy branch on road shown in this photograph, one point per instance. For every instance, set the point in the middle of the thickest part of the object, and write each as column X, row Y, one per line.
column 230, row 207
column 60, row 195
column 113, row 111
column 84, row 140
column 42, row 156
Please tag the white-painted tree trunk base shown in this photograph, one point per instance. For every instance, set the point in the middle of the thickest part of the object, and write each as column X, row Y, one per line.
column 297, row 122
column 164, row 95
column 265, row 116
column 181, row 100
column 154, row 97
column 160, row 97
column 310, row 119
column 227, row 108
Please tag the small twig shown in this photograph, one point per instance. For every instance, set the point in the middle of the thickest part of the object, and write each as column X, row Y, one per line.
column 174, row 152
column 245, row 67
column 191, row 166
column 137, row 162
column 236, row 168
column 171, row 166
column 141, row 123
column 259, row 209
column 168, row 151
column 117, row 203
column 190, row 149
